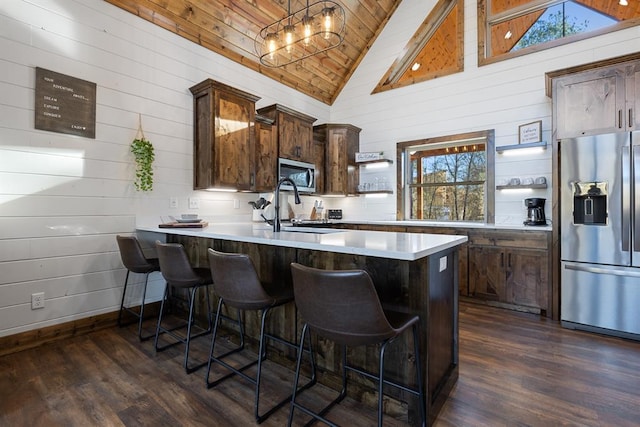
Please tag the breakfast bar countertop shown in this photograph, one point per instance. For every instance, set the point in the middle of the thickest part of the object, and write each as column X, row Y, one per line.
column 402, row 246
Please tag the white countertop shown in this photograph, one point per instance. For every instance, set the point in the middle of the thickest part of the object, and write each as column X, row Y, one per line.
column 383, row 244
column 450, row 224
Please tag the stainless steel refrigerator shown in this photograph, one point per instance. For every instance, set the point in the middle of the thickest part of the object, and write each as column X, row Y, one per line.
column 600, row 234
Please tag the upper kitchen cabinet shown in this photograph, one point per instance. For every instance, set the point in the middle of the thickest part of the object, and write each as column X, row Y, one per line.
column 266, row 165
column 223, row 137
column 340, row 142
column 601, row 100
column 294, row 132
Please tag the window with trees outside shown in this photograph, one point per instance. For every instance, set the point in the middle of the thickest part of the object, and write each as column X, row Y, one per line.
column 508, row 28
column 446, row 179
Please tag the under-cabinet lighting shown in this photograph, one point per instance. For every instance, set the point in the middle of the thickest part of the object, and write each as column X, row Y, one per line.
column 379, row 165
column 225, row 190
column 527, row 148
column 517, row 190
column 376, row 195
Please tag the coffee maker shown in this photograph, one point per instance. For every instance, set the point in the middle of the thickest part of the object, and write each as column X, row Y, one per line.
column 535, row 211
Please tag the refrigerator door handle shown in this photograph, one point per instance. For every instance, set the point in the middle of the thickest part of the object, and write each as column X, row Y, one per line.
column 599, row 270
column 626, row 197
column 636, row 200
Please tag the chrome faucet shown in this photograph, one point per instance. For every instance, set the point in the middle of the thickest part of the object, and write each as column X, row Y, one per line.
column 276, row 205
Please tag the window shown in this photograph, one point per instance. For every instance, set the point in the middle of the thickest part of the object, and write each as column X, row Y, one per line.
column 435, row 50
column 446, row 178
column 517, row 27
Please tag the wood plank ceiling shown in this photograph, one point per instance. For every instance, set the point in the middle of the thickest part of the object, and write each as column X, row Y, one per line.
column 229, row 27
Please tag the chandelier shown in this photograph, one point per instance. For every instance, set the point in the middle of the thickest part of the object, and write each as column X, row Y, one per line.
column 312, row 30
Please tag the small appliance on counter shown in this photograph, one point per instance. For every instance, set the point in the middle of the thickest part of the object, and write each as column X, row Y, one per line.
column 334, row 213
column 535, row 211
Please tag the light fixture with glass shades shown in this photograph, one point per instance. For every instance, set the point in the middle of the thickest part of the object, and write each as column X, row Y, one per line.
column 316, row 28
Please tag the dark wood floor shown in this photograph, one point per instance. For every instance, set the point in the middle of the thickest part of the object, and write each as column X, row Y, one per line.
column 516, row 369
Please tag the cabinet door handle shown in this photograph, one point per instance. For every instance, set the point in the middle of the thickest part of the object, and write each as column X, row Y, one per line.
column 509, row 261
column 630, row 117
column 501, row 259
column 619, row 119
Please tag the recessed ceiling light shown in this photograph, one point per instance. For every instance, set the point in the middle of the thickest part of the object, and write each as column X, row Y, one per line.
column 415, row 66
column 624, row 3
column 508, row 35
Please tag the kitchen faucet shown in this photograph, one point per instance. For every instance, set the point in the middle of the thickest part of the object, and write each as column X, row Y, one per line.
column 276, row 205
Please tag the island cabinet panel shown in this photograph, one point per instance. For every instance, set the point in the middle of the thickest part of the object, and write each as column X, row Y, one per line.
column 266, row 165
column 273, row 266
column 421, row 287
column 341, row 142
column 511, row 268
column 224, row 137
column 294, row 132
column 463, row 256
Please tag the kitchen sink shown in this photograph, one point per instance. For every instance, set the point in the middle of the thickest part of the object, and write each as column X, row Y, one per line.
column 311, row 230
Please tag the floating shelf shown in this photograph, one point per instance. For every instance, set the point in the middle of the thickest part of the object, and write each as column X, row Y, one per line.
column 541, row 144
column 376, row 192
column 514, row 187
column 368, row 162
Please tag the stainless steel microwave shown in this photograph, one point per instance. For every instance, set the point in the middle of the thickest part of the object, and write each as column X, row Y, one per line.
column 303, row 174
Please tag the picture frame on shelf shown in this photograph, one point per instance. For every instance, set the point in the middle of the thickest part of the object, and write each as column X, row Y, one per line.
column 530, row 132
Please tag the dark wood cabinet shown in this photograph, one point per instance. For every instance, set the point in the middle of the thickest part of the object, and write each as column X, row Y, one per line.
column 511, row 268
column 224, row 137
column 294, row 132
column 266, row 165
column 340, row 142
column 507, row 268
column 601, row 100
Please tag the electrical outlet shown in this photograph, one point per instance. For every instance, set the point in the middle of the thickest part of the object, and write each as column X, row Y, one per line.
column 37, row 300
column 236, row 204
column 194, row 203
column 443, row 263
column 173, row 202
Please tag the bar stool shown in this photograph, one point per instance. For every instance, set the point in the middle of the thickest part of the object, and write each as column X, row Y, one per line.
column 178, row 272
column 342, row 305
column 135, row 261
column 238, row 286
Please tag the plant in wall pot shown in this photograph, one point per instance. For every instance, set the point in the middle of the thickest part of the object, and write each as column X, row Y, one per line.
column 142, row 150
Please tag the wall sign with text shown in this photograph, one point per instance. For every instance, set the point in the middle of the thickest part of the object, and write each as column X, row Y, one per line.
column 531, row 132
column 65, row 104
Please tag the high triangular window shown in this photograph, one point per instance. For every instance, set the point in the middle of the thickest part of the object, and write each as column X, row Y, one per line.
column 435, row 50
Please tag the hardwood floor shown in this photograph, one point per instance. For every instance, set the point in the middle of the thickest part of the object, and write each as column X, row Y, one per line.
column 516, row 369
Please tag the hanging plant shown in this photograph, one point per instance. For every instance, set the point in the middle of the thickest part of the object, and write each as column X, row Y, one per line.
column 142, row 150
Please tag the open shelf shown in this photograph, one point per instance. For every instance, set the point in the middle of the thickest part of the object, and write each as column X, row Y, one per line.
column 513, row 187
column 376, row 192
column 368, row 162
column 541, row 144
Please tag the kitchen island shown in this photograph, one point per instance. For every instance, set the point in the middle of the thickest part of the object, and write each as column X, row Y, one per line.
column 414, row 273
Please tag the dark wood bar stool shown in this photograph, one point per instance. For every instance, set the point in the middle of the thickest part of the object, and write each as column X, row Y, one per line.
column 238, row 286
column 178, row 272
column 135, row 261
column 342, row 306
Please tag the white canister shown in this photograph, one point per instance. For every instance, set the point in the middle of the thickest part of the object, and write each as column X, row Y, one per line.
column 256, row 215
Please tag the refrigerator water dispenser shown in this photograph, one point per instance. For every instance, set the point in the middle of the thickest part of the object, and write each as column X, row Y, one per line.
column 590, row 203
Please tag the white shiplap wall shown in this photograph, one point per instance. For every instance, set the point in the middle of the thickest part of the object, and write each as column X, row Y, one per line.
column 500, row 96
column 64, row 198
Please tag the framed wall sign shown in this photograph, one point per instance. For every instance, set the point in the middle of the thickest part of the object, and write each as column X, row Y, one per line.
column 531, row 132
column 65, row 104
